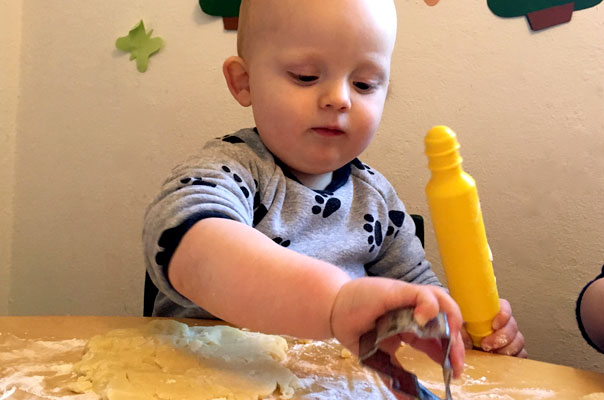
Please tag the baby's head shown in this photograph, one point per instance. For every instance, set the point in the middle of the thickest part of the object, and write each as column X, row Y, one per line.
column 316, row 74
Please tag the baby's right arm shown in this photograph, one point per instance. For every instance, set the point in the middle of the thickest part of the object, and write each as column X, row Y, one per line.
column 240, row 275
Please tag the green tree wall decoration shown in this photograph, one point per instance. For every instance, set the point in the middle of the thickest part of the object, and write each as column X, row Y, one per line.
column 540, row 13
column 227, row 9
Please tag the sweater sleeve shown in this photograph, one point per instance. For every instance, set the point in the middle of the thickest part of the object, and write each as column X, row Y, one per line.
column 220, row 183
column 578, row 313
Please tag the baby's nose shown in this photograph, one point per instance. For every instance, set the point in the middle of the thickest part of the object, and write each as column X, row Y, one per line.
column 336, row 96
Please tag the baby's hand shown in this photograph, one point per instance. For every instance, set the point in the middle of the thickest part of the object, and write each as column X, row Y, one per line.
column 506, row 338
column 360, row 302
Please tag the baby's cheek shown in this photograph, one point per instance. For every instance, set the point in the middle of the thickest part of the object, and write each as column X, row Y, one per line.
column 371, row 117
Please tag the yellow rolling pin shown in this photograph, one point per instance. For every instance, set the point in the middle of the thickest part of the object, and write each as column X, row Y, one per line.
column 460, row 234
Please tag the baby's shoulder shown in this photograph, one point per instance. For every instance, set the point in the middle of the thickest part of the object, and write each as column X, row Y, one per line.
column 243, row 143
column 373, row 187
column 367, row 176
column 241, row 152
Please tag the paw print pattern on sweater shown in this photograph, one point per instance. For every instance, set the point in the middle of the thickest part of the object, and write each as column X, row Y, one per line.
column 284, row 243
column 237, row 179
column 195, row 180
column 260, row 209
column 329, row 206
column 363, row 167
column 396, row 218
column 374, row 227
column 232, row 139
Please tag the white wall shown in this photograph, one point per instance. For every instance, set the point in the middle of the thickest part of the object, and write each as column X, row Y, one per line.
column 96, row 138
column 10, row 28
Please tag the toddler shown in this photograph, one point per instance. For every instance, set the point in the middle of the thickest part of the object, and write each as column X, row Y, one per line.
column 281, row 228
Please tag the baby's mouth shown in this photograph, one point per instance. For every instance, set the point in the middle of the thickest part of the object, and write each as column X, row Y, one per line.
column 328, row 131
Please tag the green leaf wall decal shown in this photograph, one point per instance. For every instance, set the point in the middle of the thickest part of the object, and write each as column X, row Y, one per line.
column 140, row 45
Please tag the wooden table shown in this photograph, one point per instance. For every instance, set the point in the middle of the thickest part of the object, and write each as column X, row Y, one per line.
column 486, row 376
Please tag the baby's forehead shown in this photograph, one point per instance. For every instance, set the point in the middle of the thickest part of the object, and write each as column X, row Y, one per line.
column 260, row 18
column 257, row 17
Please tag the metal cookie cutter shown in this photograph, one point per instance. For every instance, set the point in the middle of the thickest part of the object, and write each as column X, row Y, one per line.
column 402, row 321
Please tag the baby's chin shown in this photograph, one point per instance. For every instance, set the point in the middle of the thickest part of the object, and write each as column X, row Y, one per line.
column 318, row 168
column 317, row 164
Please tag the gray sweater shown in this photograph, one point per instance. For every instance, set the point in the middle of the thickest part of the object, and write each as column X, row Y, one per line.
column 357, row 223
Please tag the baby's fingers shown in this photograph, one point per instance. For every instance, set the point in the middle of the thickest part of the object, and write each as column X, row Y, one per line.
column 515, row 348
column 427, row 309
column 430, row 300
column 503, row 316
column 457, row 355
column 427, row 305
column 500, row 338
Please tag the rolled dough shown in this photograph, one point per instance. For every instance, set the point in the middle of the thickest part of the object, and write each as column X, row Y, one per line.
column 170, row 360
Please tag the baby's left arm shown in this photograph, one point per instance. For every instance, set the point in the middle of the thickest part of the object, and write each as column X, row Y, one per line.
column 506, row 339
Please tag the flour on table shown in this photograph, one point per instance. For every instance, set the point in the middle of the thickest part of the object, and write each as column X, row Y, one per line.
column 37, row 369
column 34, row 369
column 170, row 360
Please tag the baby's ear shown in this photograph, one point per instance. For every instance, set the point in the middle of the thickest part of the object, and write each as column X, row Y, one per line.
column 237, row 78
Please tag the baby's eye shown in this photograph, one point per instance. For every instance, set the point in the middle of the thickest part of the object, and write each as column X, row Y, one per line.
column 363, row 86
column 303, row 78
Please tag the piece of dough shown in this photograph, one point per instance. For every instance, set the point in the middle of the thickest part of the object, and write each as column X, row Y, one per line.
column 593, row 396
column 170, row 360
